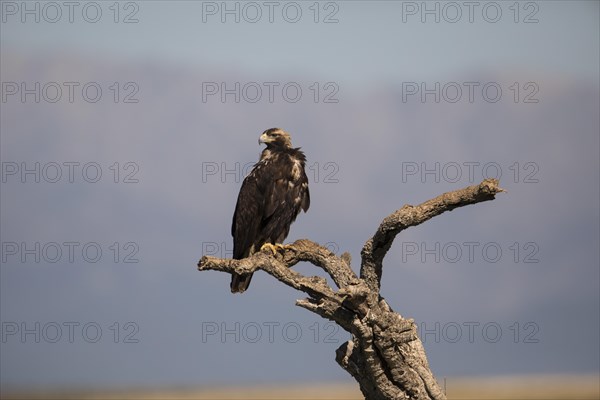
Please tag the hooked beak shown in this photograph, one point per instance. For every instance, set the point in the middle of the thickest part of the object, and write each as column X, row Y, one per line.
column 263, row 138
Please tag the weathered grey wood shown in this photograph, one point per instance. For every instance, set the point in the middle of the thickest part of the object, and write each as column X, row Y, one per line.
column 376, row 248
column 385, row 355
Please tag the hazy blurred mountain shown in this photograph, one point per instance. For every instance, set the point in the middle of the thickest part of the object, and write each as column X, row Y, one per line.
column 189, row 154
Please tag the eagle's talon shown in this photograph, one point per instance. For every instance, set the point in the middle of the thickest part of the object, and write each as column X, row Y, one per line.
column 271, row 247
column 274, row 248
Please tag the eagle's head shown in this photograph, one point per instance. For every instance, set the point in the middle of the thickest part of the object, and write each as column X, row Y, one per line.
column 275, row 137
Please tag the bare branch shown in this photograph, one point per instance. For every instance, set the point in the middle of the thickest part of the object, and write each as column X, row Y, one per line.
column 377, row 247
column 337, row 267
column 385, row 355
column 277, row 266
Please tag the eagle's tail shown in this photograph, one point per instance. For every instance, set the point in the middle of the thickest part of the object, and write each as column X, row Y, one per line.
column 240, row 282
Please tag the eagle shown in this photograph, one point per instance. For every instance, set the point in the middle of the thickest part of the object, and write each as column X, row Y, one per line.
column 270, row 199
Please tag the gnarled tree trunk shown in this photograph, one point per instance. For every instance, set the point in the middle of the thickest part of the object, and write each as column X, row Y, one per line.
column 385, row 355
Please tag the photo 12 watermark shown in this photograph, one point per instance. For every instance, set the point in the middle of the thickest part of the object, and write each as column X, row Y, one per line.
column 453, row 12
column 270, row 92
column 68, row 332
column 71, row 12
column 225, row 249
column 235, row 172
column 69, row 252
column 469, row 171
column 28, row 172
column 69, row 92
column 253, row 12
column 478, row 331
column 470, row 92
column 470, row 252
column 270, row 332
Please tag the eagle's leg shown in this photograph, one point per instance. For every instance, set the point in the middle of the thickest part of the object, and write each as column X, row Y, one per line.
column 274, row 248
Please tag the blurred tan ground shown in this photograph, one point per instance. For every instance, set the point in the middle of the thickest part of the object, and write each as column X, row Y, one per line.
column 539, row 387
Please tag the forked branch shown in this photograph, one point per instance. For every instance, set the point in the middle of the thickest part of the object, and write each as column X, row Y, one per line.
column 385, row 355
column 377, row 247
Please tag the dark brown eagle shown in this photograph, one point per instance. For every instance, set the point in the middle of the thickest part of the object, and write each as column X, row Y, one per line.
column 270, row 199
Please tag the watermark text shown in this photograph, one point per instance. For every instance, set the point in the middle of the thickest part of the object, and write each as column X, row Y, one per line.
column 69, row 92
column 52, row 12
column 68, row 332
column 469, row 171
column 253, row 12
column 316, row 172
column 69, row 252
column 453, row 12
column 68, row 172
column 269, row 92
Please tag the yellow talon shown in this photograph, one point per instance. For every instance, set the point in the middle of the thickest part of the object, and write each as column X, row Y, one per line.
column 274, row 248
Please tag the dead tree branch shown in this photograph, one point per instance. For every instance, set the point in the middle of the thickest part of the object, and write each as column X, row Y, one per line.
column 385, row 355
column 377, row 247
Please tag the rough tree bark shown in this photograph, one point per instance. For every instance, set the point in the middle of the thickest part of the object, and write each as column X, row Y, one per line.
column 384, row 355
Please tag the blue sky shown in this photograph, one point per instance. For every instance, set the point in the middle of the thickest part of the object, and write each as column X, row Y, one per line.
column 354, row 41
